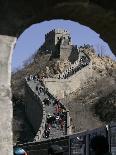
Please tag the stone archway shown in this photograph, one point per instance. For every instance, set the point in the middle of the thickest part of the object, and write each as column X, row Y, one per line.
column 16, row 16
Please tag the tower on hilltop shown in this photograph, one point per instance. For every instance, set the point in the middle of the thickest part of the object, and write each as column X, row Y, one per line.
column 54, row 37
column 58, row 44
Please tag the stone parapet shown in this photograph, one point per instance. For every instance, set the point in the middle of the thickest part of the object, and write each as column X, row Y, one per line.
column 60, row 87
column 39, row 124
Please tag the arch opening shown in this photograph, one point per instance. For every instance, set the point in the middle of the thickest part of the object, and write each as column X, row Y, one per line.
column 57, row 24
column 100, row 17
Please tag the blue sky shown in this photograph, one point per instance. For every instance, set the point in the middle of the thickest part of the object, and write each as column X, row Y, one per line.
column 33, row 37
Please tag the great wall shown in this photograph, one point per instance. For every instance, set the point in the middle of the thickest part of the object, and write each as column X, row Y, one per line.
column 37, row 112
column 66, row 139
column 70, row 80
column 66, row 83
column 35, row 104
column 96, row 14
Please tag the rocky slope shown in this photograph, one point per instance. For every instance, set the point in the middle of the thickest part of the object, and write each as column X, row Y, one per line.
column 94, row 103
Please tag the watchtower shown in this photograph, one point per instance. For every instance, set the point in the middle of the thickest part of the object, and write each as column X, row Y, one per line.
column 55, row 38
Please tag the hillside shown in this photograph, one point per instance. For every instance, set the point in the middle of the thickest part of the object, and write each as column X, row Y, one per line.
column 96, row 93
column 92, row 105
column 95, row 100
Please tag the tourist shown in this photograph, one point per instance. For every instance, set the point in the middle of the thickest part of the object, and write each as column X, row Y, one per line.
column 56, row 109
column 47, row 101
column 59, row 109
column 38, row 92
column 100, row 146
column 53, row 120
column 57, row 101
column 36, row 87
column 49, row 126
column 57, row 120
column 40, row 89
column 28, row 78
column 58, row 76
column 19, row 151
column 45, row 90
column 31, row 77
column 49, row 119
column 62, row 114
column 47, row 133
column 61, row 124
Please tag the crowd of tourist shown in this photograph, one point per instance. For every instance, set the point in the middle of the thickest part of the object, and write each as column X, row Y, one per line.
column 32, row 77
column 84, row 61
column 56, row 119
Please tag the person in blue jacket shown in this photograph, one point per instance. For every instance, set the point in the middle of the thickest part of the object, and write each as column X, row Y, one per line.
column 19, row 151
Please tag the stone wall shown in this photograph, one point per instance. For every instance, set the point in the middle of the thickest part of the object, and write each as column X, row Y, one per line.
column 74, row 54
column 75, row 64
column 35, row 111
column 50, row 41
column 62, row 87
column 65, row 51
column 6, row 110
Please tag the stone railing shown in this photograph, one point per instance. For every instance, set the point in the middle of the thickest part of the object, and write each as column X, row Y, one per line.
column 36, row 106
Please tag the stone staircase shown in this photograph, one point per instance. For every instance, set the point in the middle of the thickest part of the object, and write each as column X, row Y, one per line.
column 76, row 66
column 54, row 132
